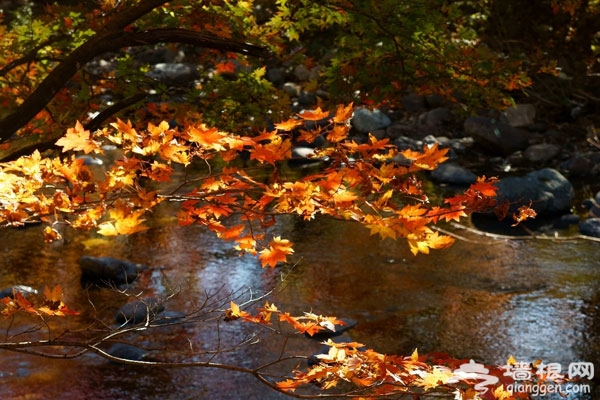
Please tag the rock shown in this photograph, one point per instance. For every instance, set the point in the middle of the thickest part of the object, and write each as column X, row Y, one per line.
column 521, row 115
column 565, row 221
column 302, row 73
column 169, row 317
column 434, row 100
column 590, row 227
column 541, row 152
column 592, row 207
column 292, row 89
column 107, row 271
column 453, row 174
column 437, row 116
column 398, row 130
column 404, row 142
column 276, row 76
column 137, row 312
column 9, row 291
column 307, row 98
column 413, row 102
column 497, row 137
column 127, row 352
column 174, row 73
column 582, row 164
column 548, row 191
column 366, row 121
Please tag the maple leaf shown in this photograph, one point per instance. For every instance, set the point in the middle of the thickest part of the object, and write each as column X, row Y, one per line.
column 523, row 213
column 234, row 312
column 53, row 304
column 430, row 157
column 288, row 125
column 438, row 376
column 17, row 303
column 277, row 251
column 343, row 114
column 315, row 115
column 338, row 133
column 51, row 235
column 232, row 233
column 123, row 223
column 227, row 67
column 78, row 139
column 210, row 138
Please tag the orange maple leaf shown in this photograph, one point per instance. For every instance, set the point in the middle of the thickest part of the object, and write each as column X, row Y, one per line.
column 343, row 114
column 338, row 133
column 78, row 139
column 277, row 251
column 315, row 115
column 17, row 303
column 288, row 125
column 53, row 304
column 226, row 67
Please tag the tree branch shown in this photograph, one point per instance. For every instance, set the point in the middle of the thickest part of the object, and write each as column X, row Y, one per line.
column 112, row 38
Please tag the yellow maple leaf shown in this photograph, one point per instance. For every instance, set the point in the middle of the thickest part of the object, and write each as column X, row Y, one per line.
column 438, row 376
column 78, row 139
column 122, row 223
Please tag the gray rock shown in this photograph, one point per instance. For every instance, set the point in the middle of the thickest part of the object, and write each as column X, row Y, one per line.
column 548, row 191
column 302, row 73
column 565, row 221
column 137, row 312
column 497, row 137
column 174, row 73
column 127, row 352
column 590, row 227
column 276, row 76
column 541, row 152
column 453, row 174
column 307, row 98
column 521, row 115
column 434, row 100
column 366, row 121
column 292, row 89
column 413, row 102
column 438, row 116
column 404, row 142
column 398, row 130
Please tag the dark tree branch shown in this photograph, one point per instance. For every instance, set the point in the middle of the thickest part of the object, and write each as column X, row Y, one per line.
column 113, row 38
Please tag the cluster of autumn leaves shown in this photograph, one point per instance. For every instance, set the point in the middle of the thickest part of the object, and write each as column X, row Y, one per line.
column 373, row 183
column 51, row 304
column 213, row 174
column 372, row 374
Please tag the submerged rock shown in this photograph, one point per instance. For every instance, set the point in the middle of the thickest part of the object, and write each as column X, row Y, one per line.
column 107, row 271
column 139, row 311
column 127, row 352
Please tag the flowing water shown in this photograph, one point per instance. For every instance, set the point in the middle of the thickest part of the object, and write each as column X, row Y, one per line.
column 482, row 299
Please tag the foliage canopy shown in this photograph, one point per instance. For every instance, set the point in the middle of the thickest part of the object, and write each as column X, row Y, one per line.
column 81, row 78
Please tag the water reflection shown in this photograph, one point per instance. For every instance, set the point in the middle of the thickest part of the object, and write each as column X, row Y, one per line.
column 531, row 299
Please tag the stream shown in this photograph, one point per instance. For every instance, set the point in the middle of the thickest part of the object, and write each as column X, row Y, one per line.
column 484, row 299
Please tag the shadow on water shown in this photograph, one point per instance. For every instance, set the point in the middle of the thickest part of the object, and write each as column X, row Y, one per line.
column 531, row 299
